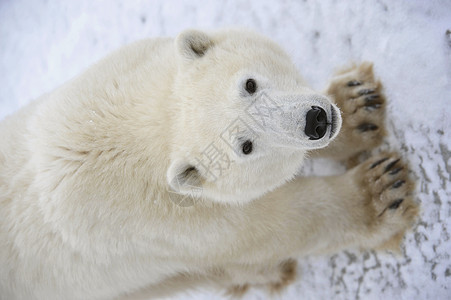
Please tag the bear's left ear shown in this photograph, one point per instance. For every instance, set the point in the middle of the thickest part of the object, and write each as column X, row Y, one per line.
column 192, row 44
column 183, row 178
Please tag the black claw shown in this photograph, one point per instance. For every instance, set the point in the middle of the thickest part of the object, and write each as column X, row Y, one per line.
column 395, row 204
column 354, row 83
column 395, row 171
column 367, row 127
column 391, row 165
column 366, row 91
column 372, row 102
column 373, row 107
column 378, row 163
column 372, row 97
column 398, row 183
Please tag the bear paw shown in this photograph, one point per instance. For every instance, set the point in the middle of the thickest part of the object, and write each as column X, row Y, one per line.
column 389, row 206
column 274, row 278
column 362, row 104
column 286, row 274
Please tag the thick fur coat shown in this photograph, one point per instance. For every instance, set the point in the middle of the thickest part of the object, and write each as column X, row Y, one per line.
column 174, row 160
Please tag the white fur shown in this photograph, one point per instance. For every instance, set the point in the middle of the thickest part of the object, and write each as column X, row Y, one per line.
column 86, row 171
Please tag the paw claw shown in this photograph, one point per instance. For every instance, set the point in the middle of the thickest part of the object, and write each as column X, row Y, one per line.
column 372, row 97
column 395, row 171
column 395, row 204
column 391, row 165
column 366, row 92
column 378, row 162
column 354, row 83
column 398, row 183
column 373, row 107
column 367, row 127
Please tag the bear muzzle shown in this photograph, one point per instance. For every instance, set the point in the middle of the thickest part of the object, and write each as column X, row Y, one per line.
column 317, row 121
column 303, row 120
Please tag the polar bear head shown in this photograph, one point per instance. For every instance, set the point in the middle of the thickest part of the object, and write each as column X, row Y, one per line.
column 245, row 118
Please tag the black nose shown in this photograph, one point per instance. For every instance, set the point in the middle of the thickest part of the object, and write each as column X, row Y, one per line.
column 316, row 123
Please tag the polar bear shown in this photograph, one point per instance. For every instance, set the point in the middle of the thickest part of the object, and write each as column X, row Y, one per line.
column 173, row 161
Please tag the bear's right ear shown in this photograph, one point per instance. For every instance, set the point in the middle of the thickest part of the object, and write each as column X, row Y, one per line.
column 192, row 44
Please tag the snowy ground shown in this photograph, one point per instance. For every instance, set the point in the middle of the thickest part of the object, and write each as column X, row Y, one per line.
column 44, row 43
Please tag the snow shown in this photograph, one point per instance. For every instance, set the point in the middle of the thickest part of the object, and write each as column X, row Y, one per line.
column 45, row 43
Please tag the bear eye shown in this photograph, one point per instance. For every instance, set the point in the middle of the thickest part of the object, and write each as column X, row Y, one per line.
column 247, row 147
column 251, row 86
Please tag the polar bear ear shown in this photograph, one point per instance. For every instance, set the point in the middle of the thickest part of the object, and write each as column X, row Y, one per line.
column 192, row 44
column 183, row 178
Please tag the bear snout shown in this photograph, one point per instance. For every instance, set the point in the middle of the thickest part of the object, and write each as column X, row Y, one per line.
column 316, row 123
